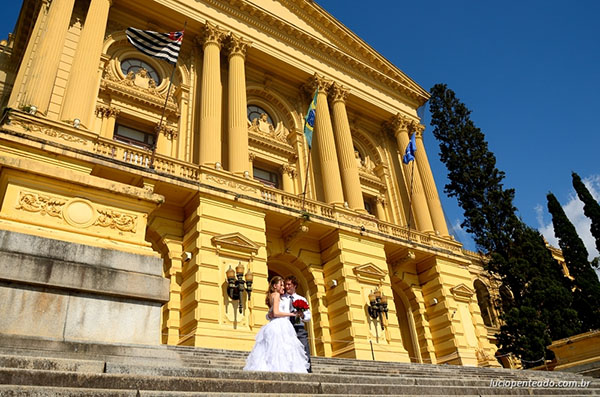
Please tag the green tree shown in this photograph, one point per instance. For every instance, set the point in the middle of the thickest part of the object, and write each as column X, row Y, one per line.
column 591, row 208
column 540, row 310
column 587, row 292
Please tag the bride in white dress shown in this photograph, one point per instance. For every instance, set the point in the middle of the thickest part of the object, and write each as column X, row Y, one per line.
column 277, row 348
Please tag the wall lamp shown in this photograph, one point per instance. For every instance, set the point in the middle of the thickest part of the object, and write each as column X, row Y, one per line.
column 378, row 306
column 236, row 285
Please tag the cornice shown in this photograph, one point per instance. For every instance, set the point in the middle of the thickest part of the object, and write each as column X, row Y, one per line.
column 274, row 26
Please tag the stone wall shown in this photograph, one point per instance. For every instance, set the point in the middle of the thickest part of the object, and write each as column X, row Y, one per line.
column 61, row 290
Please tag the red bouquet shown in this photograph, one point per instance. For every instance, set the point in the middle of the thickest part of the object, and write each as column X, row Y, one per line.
column 299, row 306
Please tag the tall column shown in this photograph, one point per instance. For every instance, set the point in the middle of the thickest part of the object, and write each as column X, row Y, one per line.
column 238, row 125
column 44, row 66
column 210, row 97
column 325, row 144
column 412, row 178
column 431, row 193
column 82, row 88
column 345, row 149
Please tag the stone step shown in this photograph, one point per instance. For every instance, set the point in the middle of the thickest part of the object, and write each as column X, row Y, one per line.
column 259, row 384
column 53, row 364
column 315, row 377
column 45, row 391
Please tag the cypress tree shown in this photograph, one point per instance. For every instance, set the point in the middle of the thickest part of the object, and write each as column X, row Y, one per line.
column 587, row 292
column 541, row 308
column 591, row 208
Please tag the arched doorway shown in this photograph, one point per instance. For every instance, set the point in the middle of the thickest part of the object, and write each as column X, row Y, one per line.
column 285, row 265
column 406, row 321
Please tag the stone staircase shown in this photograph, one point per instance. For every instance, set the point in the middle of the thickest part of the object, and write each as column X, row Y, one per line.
column 36, row 367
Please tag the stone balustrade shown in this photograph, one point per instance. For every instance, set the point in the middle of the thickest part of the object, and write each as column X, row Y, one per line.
column 20, row 122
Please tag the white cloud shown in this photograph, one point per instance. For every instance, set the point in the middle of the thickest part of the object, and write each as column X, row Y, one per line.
column 574, row 211
column 462, row 236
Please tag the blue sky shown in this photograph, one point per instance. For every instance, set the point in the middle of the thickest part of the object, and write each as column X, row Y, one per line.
column 528, row 70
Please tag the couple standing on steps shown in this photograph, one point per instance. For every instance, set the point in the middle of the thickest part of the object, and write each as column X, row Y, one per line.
column 282, row 344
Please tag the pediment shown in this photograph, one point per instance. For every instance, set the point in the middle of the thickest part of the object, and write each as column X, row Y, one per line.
column 309, row 27
column 462, row 292
column 370, row 272
column 235, row 242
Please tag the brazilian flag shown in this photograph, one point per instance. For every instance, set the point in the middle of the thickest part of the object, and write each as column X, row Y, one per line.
column 309, row 120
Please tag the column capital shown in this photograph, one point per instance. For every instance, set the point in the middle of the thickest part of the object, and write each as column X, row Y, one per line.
column 418, row 129
column 237, row 45
column 338, row 93
column 251, row 156
column 288, row 169
column 397, row 124
column 380, row 199
column 212, row 34
column 107, row 111
column 317, row 81
column 169, row 132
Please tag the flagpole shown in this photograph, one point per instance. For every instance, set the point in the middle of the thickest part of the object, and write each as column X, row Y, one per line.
column 309, row 122
column 306, row 179
column 164, row 108
column 412, row 176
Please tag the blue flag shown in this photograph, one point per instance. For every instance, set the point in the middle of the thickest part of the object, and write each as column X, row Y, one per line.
column 309, row 120
column 411, row 148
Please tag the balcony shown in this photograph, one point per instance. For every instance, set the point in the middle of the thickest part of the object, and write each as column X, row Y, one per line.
column 55, row 136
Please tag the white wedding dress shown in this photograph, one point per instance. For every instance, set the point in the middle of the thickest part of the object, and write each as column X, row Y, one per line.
column 277, row 348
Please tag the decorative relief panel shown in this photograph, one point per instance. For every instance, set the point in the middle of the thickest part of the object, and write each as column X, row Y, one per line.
column 264, row 127
column 116, row 220
column 51, row 132
column 43, row 204
column 229, row 183
column 76, row 212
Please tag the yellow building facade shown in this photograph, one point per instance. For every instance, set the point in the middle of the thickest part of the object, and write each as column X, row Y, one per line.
column 224, row 185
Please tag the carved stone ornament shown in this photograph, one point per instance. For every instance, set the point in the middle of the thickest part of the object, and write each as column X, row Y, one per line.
column 316, row 82
column 51, row 132
column 237, row 46
column 212, row 34
column 76, row 212
column 364, row 164
column 169, row 132
column 338, row 93
column 369, row 273
column 107, row 111
column 116, row 220
column 356, row 220
column 229, row 183
column 288, row 169
column 262, row 126
column 398, row 123
column 45, row 205
column 418, row 129
column 137, row 86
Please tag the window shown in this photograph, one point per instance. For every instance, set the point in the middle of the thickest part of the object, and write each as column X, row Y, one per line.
column 267, row 177
column 134, row 65
column 134, row 136
column 369, row 207
column 255, row 112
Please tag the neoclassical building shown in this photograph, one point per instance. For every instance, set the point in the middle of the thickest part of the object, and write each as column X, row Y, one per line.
column 137, row 222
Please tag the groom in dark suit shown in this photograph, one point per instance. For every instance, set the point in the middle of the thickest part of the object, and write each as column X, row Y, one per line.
column 291, row 283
